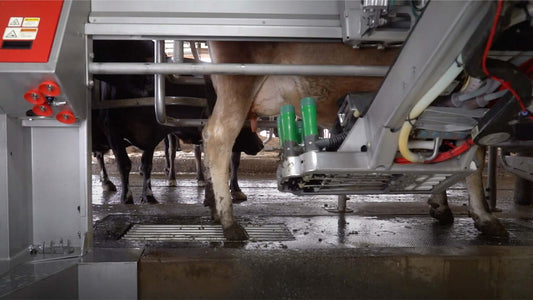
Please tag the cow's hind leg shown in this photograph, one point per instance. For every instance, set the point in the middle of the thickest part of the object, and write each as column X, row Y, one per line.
column 170, row 157
column 107, row 185
column 198, row 161
column 236, row 194
column 479, row 210
column 439, row 208
column 146, row 165
column 124, row 167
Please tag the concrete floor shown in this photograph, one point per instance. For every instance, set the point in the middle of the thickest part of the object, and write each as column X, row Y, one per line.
column 388, row 247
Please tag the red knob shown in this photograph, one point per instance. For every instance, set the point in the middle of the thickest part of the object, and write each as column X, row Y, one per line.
column 49, row 88
column 66, row 116
column 42, row 110
column 34, row 97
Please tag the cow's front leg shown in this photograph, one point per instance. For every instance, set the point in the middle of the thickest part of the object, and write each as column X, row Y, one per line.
column 124, row 167
column 217, row 155
column 219, row 136
column 146, row 166
column 439, row 208
column 198, row 162
column 171, row 145
column 479, row 210
column 107, row 185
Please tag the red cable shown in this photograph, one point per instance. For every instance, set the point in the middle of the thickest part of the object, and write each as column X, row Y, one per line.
column 444, row 155
column 504, row 83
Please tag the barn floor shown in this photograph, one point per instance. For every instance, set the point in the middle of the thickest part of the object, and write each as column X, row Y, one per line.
column 388, row 247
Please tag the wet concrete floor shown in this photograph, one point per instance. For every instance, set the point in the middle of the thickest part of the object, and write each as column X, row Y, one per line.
column 389, row 247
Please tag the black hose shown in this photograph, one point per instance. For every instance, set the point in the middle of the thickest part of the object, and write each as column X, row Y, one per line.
column 333, row 143
column 473, row 56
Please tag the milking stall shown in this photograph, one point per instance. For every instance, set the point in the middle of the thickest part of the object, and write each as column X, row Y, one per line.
column 414, row 182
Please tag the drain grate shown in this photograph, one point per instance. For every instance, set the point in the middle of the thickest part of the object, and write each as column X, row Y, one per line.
column 210, row 233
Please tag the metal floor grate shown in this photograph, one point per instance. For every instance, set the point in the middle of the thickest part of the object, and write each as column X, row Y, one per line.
column 210, row 233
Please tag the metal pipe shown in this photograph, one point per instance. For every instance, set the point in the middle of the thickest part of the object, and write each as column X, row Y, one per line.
column 177, row 52
column 159, row 86
column 491, row 178
column 159, row 96
column 341, row 202
column 237, row 69
column 436, row 147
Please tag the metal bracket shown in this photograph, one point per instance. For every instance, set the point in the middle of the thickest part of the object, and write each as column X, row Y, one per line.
column 372, row 24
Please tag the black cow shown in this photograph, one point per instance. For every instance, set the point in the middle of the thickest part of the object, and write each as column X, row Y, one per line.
column 137, row 125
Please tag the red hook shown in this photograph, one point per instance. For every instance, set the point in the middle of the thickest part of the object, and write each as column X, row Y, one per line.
column 42, row 110
column 66, row 116
column 34, row 97
column 49, row 88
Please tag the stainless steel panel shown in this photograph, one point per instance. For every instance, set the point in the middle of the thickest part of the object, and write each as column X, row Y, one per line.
column 211, row 32
column 292, row 7
column 57, row 183
column 15, row 187
column 223, row 19
column 19, row 187
column 70, row 67
column 4, row 198
column 108, row 274
column 345, row 173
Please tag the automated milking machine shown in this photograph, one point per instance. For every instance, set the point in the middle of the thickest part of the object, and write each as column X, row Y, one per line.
column 390, row 139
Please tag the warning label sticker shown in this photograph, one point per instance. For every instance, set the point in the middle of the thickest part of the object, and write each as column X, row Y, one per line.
column 17, row 33
column 31, row 22
column 15, row 21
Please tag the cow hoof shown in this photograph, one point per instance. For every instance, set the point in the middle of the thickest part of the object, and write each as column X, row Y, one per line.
column 238, row 197
column 149, row 199
column 172, row 182
column 235, row 233
column 492, row 228
column 129, row 200
column 108, row 186
column 444, row 216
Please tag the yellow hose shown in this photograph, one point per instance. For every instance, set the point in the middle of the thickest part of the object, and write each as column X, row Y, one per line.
column 421, row 105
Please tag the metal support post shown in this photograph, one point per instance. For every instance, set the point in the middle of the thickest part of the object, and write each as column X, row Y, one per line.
column 491, row 178
column 341, row 206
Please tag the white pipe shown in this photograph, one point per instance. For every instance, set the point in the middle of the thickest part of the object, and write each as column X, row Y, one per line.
column 421, row 105
column 422, row 144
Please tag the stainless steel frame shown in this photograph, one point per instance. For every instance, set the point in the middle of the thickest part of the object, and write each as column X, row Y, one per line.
column 238, row 20
column 45, row 178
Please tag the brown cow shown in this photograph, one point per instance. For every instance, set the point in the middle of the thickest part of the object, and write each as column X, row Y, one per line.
column 264, row 95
